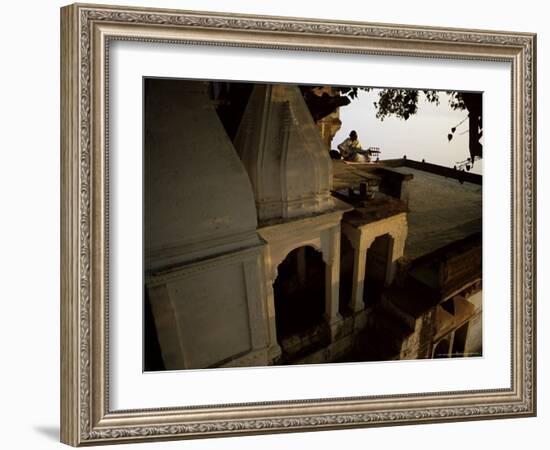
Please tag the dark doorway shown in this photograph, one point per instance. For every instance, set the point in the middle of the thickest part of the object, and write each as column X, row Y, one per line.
column 346, row 274
column 299, row 292
column 376, row 269
column 459, row 342
column 441, row 349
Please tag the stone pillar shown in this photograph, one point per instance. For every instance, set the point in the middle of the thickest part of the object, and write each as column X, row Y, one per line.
column 165, row 314
column 397, row 250
column 274, row 349
column 253, row 273
column 301, row 263
column 330, row 241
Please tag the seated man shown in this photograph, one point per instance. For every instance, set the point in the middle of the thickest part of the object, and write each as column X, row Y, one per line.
column 351, row 149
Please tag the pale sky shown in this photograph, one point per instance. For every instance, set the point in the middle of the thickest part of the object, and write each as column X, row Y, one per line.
column 422, row 136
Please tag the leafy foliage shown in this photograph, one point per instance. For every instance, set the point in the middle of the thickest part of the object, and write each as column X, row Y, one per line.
column 323, row 104
column 398, row 102
column 403, row 103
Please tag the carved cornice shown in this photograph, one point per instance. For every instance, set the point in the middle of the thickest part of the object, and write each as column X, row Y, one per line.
column 84, row 220
column 271, row 24
column 311, row 422
column 239, row 256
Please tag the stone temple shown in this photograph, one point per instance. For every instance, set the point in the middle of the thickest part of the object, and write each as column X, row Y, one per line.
column 261, row 250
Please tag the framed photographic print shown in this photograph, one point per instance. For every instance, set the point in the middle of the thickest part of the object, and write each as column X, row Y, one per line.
column 275, row 224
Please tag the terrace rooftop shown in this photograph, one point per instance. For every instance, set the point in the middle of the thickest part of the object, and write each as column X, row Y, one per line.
column 442, row 207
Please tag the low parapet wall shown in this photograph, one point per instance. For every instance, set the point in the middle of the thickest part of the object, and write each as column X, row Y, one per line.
column 448, row 172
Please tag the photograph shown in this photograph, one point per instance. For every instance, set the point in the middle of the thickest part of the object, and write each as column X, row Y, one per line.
column 275, row 225
column 289, row 224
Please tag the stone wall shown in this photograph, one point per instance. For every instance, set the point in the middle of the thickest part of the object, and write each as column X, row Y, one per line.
column 199, row 234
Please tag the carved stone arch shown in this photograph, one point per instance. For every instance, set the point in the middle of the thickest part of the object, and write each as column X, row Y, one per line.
column 299, row 290
column 274, row 273
column 288, row 250
column 393, row 235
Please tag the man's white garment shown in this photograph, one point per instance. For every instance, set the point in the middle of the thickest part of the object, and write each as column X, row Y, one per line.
column 349, row 150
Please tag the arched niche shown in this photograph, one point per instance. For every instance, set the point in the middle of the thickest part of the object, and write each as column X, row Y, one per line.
column 378, row 268
column 385, row 241
column 299, row 292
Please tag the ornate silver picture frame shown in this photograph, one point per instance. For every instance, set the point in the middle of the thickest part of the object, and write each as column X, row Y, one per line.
column 87, row 415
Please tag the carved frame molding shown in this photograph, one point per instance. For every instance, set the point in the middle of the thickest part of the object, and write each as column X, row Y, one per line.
column 86, row 31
